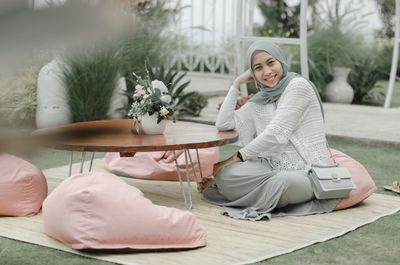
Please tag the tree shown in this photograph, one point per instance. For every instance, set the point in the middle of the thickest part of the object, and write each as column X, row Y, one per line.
column 387, row 11
column 281, row 20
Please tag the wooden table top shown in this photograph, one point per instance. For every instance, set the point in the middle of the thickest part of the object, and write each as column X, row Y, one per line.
column 117, row 136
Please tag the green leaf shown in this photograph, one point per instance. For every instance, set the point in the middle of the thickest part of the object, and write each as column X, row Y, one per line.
column 180, row 89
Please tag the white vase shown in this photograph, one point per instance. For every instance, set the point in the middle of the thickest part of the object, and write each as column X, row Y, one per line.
column 52, row 107
column 150, row 125
column 339, row 91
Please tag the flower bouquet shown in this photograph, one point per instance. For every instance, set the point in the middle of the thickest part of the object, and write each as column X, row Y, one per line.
column 151, row 105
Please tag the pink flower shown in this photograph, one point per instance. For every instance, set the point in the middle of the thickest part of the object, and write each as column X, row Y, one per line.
column 139, row 90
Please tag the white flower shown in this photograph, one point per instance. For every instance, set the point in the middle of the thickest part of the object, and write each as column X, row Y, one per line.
column 164, row 112
column 166, row 98
column 160, row 85
column 145, row 100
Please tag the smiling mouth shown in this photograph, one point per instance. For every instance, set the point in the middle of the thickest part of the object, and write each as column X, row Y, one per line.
column 269, row 79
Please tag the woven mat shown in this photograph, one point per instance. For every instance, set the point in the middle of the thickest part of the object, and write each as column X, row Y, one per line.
column 229, row 241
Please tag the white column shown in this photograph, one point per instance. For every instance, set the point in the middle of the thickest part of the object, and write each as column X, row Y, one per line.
column 303, row 38
column 395, row 58
column 238, row 44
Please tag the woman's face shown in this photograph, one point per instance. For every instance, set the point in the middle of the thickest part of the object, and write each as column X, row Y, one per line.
column 267, row 70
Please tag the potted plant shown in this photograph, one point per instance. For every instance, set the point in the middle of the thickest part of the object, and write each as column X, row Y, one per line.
column 332, row 52
column 151, row 105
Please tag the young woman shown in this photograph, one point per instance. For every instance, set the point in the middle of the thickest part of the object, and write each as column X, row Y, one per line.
column 284, row 118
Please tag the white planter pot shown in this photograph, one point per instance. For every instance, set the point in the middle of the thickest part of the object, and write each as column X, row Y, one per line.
column 339, row 91
column 150, row 125
column 52, row 107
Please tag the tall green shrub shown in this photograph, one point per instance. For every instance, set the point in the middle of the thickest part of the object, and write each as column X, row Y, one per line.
column 90, row 78
column 363, row 77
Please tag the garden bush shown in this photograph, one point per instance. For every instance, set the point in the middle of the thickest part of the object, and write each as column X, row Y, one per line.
column 194, row 105
column 365, row 72
column 18, row 92
column 18, row 97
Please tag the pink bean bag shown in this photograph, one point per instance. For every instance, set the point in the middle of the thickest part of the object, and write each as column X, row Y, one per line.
column 23, row 187
column 101, row 211
column 151, row 165
column 365, row 186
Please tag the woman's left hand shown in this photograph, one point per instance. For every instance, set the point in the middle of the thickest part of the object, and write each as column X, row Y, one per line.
column 218, row 166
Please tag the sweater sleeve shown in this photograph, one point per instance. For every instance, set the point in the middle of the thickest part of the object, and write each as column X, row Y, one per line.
column 288, row 116
column 225, row 118
column 239, row 120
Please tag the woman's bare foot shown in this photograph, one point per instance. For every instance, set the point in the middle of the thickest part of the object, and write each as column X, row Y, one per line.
column 204, row 183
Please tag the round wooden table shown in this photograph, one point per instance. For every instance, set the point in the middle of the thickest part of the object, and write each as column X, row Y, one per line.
column 117, row 136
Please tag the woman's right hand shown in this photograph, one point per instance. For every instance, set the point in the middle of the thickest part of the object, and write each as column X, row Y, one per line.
column 245, row 77
column 169, row 155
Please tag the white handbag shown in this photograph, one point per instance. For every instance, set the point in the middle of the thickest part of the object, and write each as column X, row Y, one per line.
column 331, row 182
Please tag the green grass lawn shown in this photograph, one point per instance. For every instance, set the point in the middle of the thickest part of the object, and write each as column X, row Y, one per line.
column 376, row 243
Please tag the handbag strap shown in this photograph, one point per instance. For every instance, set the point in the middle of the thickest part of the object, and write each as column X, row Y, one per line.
column 308, row 163
column 323, row 118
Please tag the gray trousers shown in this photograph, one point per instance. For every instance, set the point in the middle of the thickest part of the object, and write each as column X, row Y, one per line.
column 252, row 190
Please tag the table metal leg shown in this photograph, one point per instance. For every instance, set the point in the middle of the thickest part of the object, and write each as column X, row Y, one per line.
column 91, row 162
column 189, row 191
column 179, row 174
column 82, row 161
column 187, row 197
column 70, row 163
column 193, row 168
column 198, row 162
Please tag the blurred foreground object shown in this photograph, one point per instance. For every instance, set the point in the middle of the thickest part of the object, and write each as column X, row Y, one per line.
column 71, row 26
column 24, row 141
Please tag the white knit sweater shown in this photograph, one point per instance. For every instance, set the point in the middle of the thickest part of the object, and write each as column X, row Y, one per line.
column 265, row 130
